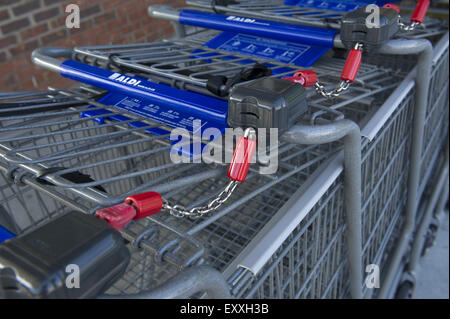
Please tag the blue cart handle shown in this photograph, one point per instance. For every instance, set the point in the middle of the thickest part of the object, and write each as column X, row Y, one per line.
column 195, row 104
column 256, row 27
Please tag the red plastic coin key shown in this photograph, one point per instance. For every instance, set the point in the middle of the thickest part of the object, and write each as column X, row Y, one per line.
column 135, row 207
column 352, row 65
column 306, row 78
column 242, row 157
column 146, row 204
column 392, row 6
column 117, row 216
column 309, row 76
column 420, row 11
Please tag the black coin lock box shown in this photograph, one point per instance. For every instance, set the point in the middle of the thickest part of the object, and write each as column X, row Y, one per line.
column 45, row 258
column 266, row 103
column 358, row 27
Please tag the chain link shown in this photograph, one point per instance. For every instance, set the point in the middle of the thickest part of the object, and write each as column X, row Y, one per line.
column 199, row 211
column 343, row 85
column 408, row 27
column 196, row 212
column 320, row 89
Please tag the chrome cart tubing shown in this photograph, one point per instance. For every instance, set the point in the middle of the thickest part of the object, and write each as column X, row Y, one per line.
column 90, row 194
column 440, row 48
column 47, row 57
column 191, row 281
column 425, row 51
column 25, row 179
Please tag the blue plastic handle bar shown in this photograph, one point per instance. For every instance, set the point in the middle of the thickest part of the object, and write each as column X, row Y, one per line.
column 267, row 29
column 291, row 2
column 337, row 5
column 203, row 107
column 5, row 234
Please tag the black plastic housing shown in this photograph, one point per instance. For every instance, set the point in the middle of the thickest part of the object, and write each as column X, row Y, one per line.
column 39, row 258
column 266, row 103
column 354, row 29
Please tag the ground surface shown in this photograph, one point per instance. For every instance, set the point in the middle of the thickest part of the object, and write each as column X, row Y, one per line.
column 433, row 270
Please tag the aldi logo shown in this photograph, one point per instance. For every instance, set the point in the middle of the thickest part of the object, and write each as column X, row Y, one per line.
column 241, row 19
column 124, row 79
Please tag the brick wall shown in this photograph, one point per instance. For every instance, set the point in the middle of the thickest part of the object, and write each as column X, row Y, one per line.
column 29, row 24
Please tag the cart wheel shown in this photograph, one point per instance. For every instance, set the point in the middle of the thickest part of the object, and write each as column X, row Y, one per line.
column 430, row 239
column 405, row 290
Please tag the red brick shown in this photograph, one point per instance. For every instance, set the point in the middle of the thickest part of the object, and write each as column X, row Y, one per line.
column 10, row 81
column 112, row 4
column 25, row 73
column 15, row 25
column 127, row 29
column 50, row 2
column 58, row 22
column 84, row 26
column 4, row 15
column 4, row 3
column 105, row 17
column 117, row 23
column 140, row 33
column 24, row 47
column 135, row 16
column 34, row 31
column 89, row 11
column 26, row 7
column 85, row 3
column 99, row 30
column 2, row 57
column 46, row 14
column 53, row 37
column 102, row 22
column 7, row 41
column 125, row 10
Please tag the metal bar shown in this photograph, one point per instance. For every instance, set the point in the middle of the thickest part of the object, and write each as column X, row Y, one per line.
column 186, row 284
column 49, row 191
column 87, row 193
column 419, row 237
column 442, row 200
column 425, row 51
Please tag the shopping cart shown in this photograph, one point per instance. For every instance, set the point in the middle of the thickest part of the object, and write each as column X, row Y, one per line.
column 307, row 14
column 279, row 235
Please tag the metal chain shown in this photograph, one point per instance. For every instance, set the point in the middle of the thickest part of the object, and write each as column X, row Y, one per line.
column 199, row 211
column 320, row 89
column 407, row 27
column 196, row 212
column 343, row 85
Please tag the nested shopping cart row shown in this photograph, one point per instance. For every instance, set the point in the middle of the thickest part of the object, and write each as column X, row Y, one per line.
column 56, row 158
